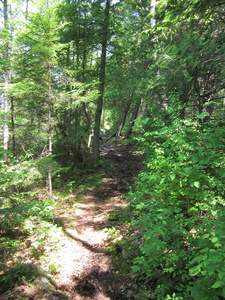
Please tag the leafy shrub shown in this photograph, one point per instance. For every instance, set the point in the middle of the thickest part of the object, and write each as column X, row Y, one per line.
column 22, row 215
column 178, row 203
column 18, row 177
column 27, row 233
column 207, row 266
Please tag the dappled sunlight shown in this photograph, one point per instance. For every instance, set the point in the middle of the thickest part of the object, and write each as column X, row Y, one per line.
column 85, row 266
column 75, row 262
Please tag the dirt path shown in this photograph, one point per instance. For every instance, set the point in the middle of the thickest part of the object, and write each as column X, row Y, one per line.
column 78, row 248
column 86, row 270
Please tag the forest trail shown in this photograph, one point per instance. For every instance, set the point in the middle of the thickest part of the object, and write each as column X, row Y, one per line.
column 77, row 263
column 86, row 270
column 85, row 266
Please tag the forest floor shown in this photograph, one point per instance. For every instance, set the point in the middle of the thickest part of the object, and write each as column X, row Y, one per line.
column 83, row 259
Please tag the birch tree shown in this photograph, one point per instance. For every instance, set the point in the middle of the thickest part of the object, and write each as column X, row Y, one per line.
column 6, row 76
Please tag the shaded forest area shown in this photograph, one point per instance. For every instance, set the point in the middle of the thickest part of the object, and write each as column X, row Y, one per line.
column 77, row 74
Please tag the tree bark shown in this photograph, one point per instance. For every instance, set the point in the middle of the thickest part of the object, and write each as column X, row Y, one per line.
column 13, row 126
column 6, row 84
column 124, row 116
column 49, row 101
column 96, row 150
column 50, row 152
column 117, row 132
column 152, row 12
column 133, row 117
column 27, row 9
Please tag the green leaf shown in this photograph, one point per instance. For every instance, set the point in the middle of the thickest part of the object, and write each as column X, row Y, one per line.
column 221, row 274
column 223, row 292
column 195, row 270
column 187, row 170
column 145, row 121
column 145, row 176
column 214, row 240
column 172, row 177
column 211, row 269
column 197, row 184
column 203, row 115
column 218, row 284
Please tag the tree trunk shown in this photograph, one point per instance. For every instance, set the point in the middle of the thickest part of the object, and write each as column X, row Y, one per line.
column 49, row 100
column 6, row 84
column 27, row 9
column 124, row 116
column 13, row 127
column 120, row 126
column 6, row 117
column 134, row 116
column 152, row 12
column 49, row 153
column 96, row 150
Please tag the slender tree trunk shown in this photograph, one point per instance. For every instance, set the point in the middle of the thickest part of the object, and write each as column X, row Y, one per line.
column 96, row 150
column 124, row 116
column 50, row 153
column 6, row 126
column 6, row 84
column 133, row 117
column 152, row 12
column 120, row 126
column 13, row 127
column 122, row 122
column 27, row 9
column 50, row 96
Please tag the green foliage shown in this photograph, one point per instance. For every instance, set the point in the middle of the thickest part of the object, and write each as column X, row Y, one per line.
column 26, row 227
column 27, row 233
column 48, row 163
column 178, row 205
column 207, row 266
column 18, row 176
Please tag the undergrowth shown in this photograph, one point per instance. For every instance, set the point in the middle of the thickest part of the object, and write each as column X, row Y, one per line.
column 27, row 230
column 178, row 206
column 31, row 226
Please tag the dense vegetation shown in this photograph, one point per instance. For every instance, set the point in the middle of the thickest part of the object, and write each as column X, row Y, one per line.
column 72, row 72
column 178, row 205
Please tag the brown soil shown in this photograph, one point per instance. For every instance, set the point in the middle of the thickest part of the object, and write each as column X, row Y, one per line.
column 85, row 267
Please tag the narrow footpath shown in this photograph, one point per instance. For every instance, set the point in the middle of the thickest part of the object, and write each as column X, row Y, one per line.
column 86, row 270
column 77, row 261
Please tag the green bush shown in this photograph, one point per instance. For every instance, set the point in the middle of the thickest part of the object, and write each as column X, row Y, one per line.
column 25, row 220
column 208, row 265
column 177, row 204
